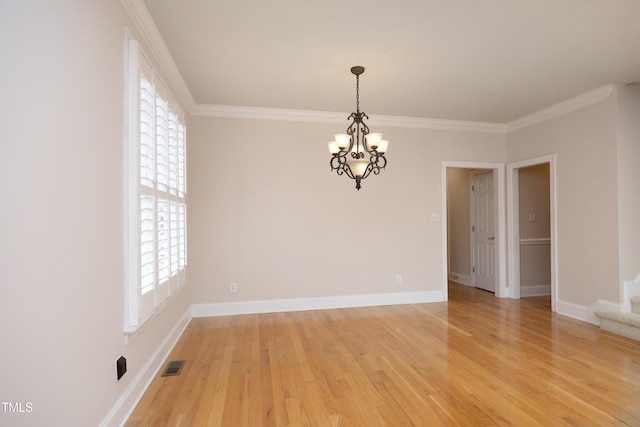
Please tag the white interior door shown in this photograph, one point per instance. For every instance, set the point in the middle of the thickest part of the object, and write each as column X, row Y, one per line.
column 483, row 231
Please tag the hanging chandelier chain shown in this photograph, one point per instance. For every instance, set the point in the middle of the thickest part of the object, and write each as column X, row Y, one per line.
column 357, row 93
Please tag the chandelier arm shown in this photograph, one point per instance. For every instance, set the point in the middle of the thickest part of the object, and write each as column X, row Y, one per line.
column 335, row 162
column 379, row 160
column 347, row 171
column 367, row 171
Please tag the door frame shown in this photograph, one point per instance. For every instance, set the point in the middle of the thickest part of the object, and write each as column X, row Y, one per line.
column 513, row 221
column 500, row 211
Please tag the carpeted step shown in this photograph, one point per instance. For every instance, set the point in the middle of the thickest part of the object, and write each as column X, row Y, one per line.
column 626, row 324
column 635, row 304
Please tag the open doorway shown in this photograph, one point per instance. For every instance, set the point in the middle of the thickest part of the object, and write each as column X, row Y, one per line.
column 471, row 227
column 532, row 228
column 474, row 255
column 535, row 230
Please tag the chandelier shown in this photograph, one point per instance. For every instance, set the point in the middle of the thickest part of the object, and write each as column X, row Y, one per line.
column 358, row 153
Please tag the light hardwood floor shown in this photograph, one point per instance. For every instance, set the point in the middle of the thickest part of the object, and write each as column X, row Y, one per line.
column 475, row 360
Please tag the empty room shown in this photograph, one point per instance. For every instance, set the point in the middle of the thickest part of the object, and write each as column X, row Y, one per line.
column 336, row 213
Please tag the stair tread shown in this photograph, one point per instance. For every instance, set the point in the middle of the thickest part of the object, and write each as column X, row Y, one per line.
column 631, row 319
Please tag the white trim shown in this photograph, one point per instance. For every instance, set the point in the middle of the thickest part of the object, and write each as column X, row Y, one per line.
column 561, row 108
column 128, row 400
column 261, row 113
column 320, row 303
column 513, row 230
column 130, row 332
column 131, row 180
column 513, row 224
column 437, row 124
column 501, row 238
column 150, row 35
column 460, row 278
column 587, row 314
column 572, row 310
column 535, row 290
column 536, row 241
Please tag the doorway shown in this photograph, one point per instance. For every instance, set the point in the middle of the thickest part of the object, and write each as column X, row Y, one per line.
column 452, row 236
column 531, row 213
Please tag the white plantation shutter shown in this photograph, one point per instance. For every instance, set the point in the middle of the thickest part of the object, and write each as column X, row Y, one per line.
column 147, row 244
column 182, row 239
column 173, row 152
column 156, row 192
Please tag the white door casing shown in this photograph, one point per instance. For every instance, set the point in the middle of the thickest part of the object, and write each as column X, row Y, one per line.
column 500, row 211
column 513, row 225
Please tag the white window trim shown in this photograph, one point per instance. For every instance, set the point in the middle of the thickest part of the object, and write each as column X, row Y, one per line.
column 141, row 307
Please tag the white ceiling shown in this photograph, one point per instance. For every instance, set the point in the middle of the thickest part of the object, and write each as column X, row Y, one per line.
column 471, row 60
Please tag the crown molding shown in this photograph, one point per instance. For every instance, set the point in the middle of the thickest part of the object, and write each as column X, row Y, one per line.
column 437, row 124
column 561, row 108
column 146, row 27
column 152, row 39
column 260, row 113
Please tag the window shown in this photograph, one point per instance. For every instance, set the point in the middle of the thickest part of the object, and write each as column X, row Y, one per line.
column 156, row 193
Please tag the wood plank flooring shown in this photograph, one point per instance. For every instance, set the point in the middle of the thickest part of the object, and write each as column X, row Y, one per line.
column 475, row 360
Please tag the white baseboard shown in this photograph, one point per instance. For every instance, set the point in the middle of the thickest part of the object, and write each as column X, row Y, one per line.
column 321, row 303
column 132, row 395
column 460, row 278
column 587, row 314
column 535, row 290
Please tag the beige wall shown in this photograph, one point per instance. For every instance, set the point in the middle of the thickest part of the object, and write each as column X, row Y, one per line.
column 535, row 248
column 459, row 224
column 266, row 212
column 587, row 219
column 534, row 199
column 629, row 180
column 61, row 226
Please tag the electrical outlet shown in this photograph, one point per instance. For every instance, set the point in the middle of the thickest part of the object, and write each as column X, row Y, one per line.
column 233, row 287
column 121, row 367
column 399, row 279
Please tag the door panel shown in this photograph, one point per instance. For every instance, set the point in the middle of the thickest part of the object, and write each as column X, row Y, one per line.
column 483, row 231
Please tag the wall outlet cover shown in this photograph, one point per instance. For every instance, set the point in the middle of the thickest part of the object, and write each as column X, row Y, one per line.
column 121, row 367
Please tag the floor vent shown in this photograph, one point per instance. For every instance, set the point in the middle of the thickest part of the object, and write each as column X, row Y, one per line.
column 173, row 368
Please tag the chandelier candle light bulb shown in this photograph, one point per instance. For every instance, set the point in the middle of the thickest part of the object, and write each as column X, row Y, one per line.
column 373, row 140
column 333, row 147
column 365, row 150
column 342, row 140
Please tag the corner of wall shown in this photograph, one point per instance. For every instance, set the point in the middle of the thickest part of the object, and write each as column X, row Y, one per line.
column 123, row 408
